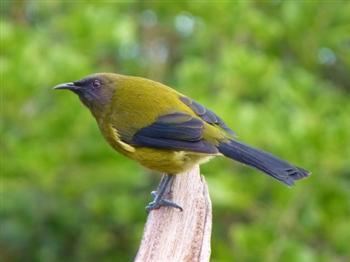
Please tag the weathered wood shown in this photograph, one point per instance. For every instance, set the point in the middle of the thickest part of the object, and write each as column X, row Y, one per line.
column 172, row 235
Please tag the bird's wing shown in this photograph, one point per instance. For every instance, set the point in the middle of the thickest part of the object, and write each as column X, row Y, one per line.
column 207, row 115
column 175, row 131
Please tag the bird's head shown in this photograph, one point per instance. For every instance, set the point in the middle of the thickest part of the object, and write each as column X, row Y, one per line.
column 95, row 91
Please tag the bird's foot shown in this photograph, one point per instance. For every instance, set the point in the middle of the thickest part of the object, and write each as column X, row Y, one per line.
column 158, row 196
column 159, row 202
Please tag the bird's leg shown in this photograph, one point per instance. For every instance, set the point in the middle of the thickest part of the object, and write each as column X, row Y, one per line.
column 158, row 195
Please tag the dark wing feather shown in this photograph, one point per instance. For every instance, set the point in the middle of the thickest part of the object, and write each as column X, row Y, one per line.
column 176, row 131
column 206, row 114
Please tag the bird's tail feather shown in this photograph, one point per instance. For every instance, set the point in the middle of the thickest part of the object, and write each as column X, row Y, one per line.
column 269, row 164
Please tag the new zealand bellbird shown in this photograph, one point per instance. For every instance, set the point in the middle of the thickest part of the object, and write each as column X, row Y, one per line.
column 165, row 130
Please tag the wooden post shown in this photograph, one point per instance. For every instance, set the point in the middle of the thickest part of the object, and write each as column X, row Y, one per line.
column 172, row 235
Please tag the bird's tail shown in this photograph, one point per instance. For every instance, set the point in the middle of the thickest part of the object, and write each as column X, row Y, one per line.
column 269, row 164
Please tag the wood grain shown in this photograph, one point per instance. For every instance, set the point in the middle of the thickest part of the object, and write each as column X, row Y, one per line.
column 172, row 235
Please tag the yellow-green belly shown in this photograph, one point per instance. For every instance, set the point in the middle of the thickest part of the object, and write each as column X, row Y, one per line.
column 166, row 161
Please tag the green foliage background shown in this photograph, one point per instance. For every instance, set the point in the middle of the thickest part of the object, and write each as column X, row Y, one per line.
column 277, row 71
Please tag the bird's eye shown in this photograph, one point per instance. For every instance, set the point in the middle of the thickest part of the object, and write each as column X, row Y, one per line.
column 96, row 83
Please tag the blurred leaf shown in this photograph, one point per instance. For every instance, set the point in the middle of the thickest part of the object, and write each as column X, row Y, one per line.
column 276, row 71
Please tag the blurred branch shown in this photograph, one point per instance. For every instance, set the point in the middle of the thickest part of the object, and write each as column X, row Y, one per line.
column 172, row 235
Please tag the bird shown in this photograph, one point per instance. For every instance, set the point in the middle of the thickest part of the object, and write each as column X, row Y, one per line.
column 166, row 131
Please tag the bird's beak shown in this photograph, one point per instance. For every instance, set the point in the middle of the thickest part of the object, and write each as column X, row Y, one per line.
column 70, row 86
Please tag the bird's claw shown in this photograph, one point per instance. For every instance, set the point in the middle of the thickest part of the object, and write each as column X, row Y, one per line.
column 163, row 202
column 157, row 203
column 168, row 203
column 154, row 194
column 158, row 196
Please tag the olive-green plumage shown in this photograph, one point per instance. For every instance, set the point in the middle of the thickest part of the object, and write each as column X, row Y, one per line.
column 163, row 129
column 136, row 104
